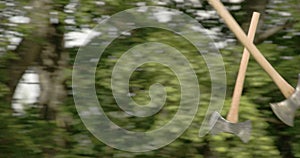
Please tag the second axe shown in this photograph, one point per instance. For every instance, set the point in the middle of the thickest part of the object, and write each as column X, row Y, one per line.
column 231, row 125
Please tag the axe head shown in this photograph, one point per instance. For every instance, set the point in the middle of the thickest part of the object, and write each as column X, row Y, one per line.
column 286, row 109
column 218, row 124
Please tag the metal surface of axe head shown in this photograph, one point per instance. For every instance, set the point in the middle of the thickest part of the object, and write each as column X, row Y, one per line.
column 286, row 109
column 218, row 124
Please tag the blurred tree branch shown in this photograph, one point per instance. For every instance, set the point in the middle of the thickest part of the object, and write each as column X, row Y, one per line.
column 271, row 32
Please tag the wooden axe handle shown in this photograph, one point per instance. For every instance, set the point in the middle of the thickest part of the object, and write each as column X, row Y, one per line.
column 233, row 113
column 286, row 89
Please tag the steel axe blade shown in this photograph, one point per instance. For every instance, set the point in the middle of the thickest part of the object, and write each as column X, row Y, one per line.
column 218, row 124
column 286, row 109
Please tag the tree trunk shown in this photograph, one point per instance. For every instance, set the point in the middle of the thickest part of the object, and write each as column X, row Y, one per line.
column 43, row 48
column 32, row 44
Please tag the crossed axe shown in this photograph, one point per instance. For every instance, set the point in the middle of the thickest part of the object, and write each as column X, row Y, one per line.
column 284, row 110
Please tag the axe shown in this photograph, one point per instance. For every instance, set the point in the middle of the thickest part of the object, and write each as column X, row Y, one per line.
column 286, row 109
column 231, row 125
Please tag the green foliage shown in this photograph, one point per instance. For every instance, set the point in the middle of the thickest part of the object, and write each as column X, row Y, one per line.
column 31, row 135
column 4, row 91
column 4, row 61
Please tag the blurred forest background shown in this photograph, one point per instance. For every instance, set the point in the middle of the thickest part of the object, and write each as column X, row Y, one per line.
column 39, row 40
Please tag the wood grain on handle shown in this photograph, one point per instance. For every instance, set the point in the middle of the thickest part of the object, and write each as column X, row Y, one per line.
column 233, row 114
column 286, row 89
